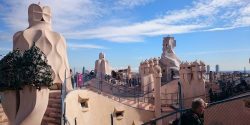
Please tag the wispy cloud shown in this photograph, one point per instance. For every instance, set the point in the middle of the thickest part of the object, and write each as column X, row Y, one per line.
column 5, row 49
column 85, row 46
column 132, row 33
column 131, row 3
column 244, row 16
column 220, row 29
column 66, row 15
column 217, row 52
column 208, row 15
column 77, row 19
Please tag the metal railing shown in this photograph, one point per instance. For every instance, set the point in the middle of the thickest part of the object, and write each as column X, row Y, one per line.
column 64, row 120
column 120, row 94
column 154, row 121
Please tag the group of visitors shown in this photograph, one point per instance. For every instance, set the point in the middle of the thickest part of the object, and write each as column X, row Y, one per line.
column 228, row 89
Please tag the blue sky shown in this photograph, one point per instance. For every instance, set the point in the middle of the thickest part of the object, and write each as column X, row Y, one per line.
column 129, row 31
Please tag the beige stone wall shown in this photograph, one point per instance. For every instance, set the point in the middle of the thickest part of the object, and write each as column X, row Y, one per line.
column 229, row 113
column 169, row 92
column 192, row 78
column 100, row 109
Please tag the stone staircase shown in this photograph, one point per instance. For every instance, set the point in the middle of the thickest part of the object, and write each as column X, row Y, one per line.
column 3, row 117
column 52, row 115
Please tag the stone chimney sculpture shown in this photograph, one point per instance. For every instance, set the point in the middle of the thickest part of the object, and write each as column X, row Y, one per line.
column 169, row 62
column 52, row 44
column 102, row 66
column 192, row 77
column 28, row 106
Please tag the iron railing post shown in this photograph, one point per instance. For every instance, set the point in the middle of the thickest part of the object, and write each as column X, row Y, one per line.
column 75, row 121
column 180, row 101
column 63, row 91
column 112, row 121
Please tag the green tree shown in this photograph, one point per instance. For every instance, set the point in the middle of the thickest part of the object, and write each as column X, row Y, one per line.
column 37, row 72
column 10, row 74
column 31, row 68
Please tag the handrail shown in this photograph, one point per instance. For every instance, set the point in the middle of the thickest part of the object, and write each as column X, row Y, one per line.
column 65, row 119
column 119, row 98
column 164, row 116
column 141, row 93
column 228, row 100
column 62, row 99
column 209, row 105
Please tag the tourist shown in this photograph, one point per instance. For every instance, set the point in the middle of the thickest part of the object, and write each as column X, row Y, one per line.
column 72, row 78
column 194, row 116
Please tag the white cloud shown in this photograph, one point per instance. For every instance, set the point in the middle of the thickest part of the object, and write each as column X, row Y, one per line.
column 133, row 33
column 131, row 3
column 66, row 15
column 5, row 49
column 217, row 52
column 220, row 29
column 244, row 16
column 77, row 19
column 209, row 15
column 85, row 46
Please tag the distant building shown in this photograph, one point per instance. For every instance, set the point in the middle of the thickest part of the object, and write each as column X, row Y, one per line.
column 217, row 68
column 208, row 68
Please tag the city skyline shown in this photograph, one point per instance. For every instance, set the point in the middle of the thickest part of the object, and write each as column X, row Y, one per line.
column 129, row 31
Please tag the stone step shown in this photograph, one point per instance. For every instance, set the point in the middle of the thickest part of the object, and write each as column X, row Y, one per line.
column 52, row 115
column 55, row 100
column 55, row 97
column 50, row 124
column 55, row 115
column 49, row 121
column 55, row 110
column 55, row 94
column 57, row 106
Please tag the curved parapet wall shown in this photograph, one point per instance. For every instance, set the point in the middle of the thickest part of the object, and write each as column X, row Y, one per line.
column 236, row 112
column 90, row 108
column 52, row 44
